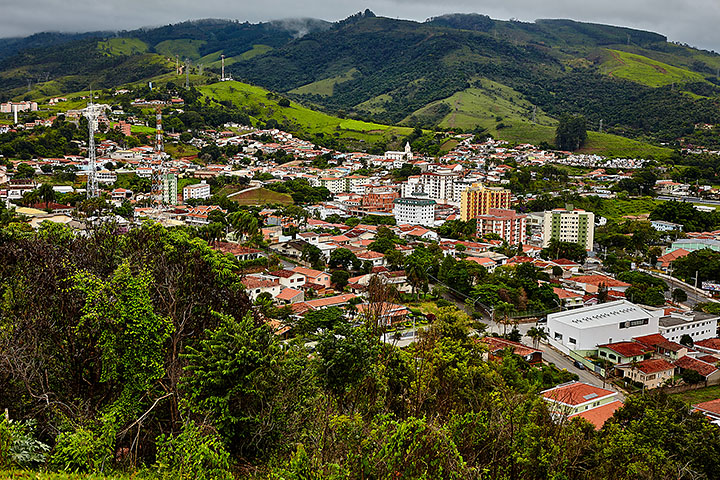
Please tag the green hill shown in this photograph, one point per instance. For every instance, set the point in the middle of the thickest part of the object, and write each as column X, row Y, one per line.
column 646, row 71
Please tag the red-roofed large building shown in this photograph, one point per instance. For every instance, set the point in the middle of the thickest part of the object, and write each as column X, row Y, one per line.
column 711, row 345
column 496, row 345
column 582, row 399
column 591, row 283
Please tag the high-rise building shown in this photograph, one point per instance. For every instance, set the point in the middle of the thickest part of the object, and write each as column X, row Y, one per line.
column 507, row 223
column 437, row 186
column 479, row 199
column 569, row 225
column 170, row 189
column 414, row 211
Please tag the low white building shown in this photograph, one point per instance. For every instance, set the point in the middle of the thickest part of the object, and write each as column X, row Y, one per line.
column 199, row 190
column 700, row 326
column 663, row 226
column 106, row 176
column 414, row 211
column 583, row 329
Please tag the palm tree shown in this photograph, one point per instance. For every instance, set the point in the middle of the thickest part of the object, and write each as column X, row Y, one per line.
column 244, row 223
column 503, row 309
column 47, row 193
column 537, row 334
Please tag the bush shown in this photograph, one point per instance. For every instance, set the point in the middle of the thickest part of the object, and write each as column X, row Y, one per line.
column 191, row 454
column 443, row 303
column 18, row 448
column 83, row 451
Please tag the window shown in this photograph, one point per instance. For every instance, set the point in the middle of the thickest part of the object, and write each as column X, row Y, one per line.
column 558, row 336
column 572, row 340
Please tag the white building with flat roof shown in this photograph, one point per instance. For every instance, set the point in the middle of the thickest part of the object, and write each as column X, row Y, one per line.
column 583, row 329
column 698, row 325
column 414, row 211
column 199, row 190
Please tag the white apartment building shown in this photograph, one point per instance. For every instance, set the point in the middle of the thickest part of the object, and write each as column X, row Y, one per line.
column 439, row 187
column 106, row 176
column 583, row 329
column 700, row 326
column 335, row 185
column 170, row 189
column 414, row 211
column 569, row 225
column 199, row 190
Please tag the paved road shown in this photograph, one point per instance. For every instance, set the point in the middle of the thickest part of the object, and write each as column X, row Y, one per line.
column 693, row 296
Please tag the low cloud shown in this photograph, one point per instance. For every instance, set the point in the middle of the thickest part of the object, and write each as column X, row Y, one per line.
column 694, row 23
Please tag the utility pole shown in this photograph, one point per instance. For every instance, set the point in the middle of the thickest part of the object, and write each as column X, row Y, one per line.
column 534, row 114
column 187, row 73
column 601, row 122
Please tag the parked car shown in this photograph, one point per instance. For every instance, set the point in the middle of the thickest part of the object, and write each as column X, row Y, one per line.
column 578, row 364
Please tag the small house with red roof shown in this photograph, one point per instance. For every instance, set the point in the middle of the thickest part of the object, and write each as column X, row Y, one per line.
column 652, row 373
column 497, row 345
column 710, row 409
column 624, row 352
column 579, row 399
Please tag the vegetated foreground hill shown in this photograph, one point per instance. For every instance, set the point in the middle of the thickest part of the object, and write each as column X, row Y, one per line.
column 456, row 71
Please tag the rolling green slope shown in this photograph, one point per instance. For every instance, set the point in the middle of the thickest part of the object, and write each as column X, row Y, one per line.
column 640, row 69
column 184, row 48
column 326, row 87
column 297, row 118
column 123, row 46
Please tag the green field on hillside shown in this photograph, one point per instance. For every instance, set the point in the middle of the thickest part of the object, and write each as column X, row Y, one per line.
column 700, row 395
column 262, row 196
column 184, row 48
column 640, row 69
column 616, row 208
column 300, row 119
column 122, row 46
column 326, row 87
column 255, row 51
column 487, row 105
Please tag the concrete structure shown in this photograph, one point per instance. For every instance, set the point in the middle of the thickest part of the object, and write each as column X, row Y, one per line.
column 569, row 225
column 583, row 329
column 170, row 189
column 507, row 223
column 663, row 226
column 106, row 176
column 10, row 107
column 479, row 199
column 694, row 244
column 436, row 186
column 200, row 190
column 699, row 325
column 414, row 211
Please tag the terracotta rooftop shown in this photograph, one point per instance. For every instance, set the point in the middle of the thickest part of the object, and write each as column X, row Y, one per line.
column 689, row 363
column 283, row 273
column 598, row 279
column 255, row 282
column 288, row 294
column 599, row 415
column 654, row 365
column 496, row 344
column 627, row 349
column 712, row 407
column 651, row 340
column 710, row 343
column 576, row 393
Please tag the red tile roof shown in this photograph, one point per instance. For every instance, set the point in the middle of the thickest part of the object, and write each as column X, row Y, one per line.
column 598, row 279
column 496, row 344
column 710, row 343
column 284, row 273
column 627, row 349
column 651, row 340
column 576, row 393
column 599, row 415
column 288, row 294
column 712, row 406
column 654, row 365
column 689, row 363
column 254, row 282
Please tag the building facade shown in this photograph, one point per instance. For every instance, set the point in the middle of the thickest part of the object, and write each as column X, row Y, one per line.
column 507, row 223
column 478, row 199
column 414, row 211
column 436, row 186
column 170, row 189
column 569, row 225
column 379, row 199
column 199, row 190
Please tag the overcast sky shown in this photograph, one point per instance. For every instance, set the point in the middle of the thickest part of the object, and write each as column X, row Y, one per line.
column 694, row 22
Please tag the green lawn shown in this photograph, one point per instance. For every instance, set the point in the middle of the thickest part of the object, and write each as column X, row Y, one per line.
column 640, row 69
column 184, row 48
column 28, row 475
column 698, row 396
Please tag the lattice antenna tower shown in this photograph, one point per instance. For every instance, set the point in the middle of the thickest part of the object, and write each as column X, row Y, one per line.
column 92, row 112
column 187, row 73
column 158, row 170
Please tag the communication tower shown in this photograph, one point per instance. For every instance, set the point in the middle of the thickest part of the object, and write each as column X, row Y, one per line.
column 92, row 112
column 158, row 167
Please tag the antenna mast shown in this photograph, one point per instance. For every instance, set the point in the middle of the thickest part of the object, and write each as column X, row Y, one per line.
column 92, row 112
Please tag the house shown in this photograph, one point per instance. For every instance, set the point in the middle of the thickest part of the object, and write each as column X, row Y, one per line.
column 711, row 346
column 578, row 399
column 708, row 371
column 497, row 345
column 582, row 329
column 290, row 295
column 288, row 278
column 322, row 303
column 256, row 286
column 377, row 259
column 663, row 346
column 665, row 261
column 240, row 252
column 652, row 373
column 292, row 248
column 625, row 352
column 316, row 277
column 592, row 283
column 569, row 298
column 710, row 409
column 386, row 313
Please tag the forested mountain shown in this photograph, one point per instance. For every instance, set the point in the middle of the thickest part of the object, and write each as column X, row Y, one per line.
column 454, row 71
